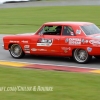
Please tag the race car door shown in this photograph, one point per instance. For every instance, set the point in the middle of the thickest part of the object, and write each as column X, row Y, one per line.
column 48, row 41
column 49, row 44
column 68, row 40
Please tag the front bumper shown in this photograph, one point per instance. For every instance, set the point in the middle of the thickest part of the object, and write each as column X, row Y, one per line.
column 3, row 46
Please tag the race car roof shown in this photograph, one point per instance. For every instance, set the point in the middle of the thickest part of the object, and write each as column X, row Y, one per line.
column 68, row 23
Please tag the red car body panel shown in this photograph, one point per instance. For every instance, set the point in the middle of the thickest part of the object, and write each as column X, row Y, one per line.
column 60, row 45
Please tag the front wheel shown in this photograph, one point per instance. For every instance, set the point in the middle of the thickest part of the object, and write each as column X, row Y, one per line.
column 81, row 56
column 16, row 51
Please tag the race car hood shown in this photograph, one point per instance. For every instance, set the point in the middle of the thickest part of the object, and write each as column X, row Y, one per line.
column 26, row 34
column 18, row 36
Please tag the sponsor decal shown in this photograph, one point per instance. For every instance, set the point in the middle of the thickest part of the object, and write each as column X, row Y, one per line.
column 27, row 47
column 84, row 41
column 24, row 41
column 72, row 33
column 89, row 49
column 66, row 40
column 27, row 51
column 42, row 50
column 13, row 41
column 44, row 42
column 33, row 49
column 73, row 41
column 95, row 42
column 78, row 31
column 65, row 49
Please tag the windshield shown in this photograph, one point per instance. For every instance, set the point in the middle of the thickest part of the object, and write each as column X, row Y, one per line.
column 90, row 29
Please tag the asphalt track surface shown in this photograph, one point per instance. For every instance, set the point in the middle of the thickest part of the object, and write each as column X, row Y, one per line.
column 4, row 55
column 51, row 3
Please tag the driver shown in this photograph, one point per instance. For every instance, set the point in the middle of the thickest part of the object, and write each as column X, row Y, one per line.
column 58, row 30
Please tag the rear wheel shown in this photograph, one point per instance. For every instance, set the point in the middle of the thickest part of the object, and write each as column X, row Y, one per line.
column 16, row 51
column 81, row 56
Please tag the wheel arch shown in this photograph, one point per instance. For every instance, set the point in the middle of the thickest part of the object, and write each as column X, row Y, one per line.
column 77, row 48
column 10, row 44
column 73, row 50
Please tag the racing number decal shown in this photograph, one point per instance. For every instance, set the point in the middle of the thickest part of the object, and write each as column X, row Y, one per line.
column 44, row 42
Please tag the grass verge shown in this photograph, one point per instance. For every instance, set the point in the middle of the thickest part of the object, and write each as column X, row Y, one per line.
column 66, row 85
column 23, row 20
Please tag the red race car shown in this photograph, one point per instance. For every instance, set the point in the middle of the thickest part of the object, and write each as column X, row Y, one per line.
column 80, row 40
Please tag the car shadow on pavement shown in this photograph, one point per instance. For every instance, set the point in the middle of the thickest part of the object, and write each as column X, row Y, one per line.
column 57, row 59
column 48, row 58
column 95, row 61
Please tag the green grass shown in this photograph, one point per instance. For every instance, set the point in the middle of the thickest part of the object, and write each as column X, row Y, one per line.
column 66, row 85
column 23, row 20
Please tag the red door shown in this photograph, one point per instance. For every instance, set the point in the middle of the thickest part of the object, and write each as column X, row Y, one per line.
column 46, row 45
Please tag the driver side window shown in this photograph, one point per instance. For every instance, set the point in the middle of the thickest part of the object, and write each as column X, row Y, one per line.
column 51, row 30
column 43, row 30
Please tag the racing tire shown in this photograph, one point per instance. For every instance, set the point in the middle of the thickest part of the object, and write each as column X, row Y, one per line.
column 16, row 51
column 81, row 56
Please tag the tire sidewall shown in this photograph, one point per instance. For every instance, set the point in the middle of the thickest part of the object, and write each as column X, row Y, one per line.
column 85, row 61
column 20, row 56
